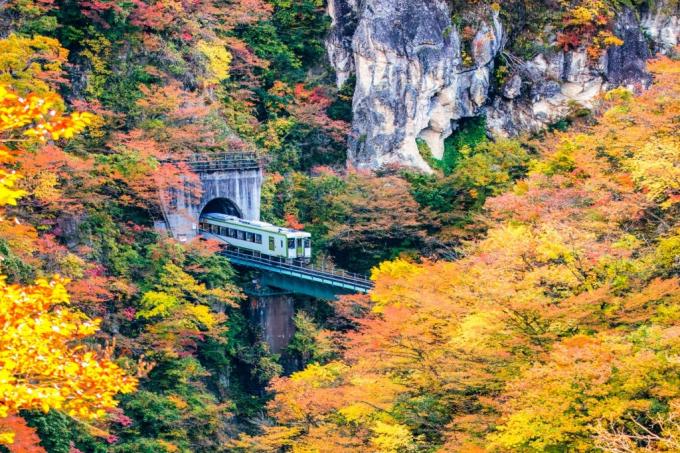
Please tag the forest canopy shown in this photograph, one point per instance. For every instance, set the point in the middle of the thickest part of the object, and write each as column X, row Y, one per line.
column 526, row 287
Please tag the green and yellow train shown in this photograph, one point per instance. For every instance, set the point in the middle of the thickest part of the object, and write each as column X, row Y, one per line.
column 259, row 238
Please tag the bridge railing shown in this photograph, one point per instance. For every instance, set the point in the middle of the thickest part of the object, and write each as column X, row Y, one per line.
column 212, row 162
column 358, row 280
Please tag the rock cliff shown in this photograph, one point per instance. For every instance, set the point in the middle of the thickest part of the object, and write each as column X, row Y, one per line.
column 416, row 77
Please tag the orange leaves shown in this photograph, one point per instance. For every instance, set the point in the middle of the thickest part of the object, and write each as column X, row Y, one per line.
column 41, row 368
column 309, row 107
column 293, row 222
column 156, row 15
column 38, row 116
column 18, row 436
column 32, row 118
column 559, row 330
column 587, row 22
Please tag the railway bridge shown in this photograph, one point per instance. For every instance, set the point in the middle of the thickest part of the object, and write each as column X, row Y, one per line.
column 230, row 183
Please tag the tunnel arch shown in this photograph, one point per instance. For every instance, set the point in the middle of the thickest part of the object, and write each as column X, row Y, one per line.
column 221, row 206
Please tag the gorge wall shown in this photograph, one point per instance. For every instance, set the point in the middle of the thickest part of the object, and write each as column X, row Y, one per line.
column 418, row 73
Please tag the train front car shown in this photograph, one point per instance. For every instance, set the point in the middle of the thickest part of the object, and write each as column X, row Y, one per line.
column 259, row 238
column 299, row 246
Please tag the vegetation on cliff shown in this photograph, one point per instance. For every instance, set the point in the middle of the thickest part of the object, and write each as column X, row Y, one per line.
column 526, row 291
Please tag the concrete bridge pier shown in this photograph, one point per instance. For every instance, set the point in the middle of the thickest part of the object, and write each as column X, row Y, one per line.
column 274, row 314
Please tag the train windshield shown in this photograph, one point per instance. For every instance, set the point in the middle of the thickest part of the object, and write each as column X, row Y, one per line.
column 291, row 243
column 308, row 243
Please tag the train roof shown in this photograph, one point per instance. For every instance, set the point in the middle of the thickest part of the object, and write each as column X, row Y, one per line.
column 254, row 223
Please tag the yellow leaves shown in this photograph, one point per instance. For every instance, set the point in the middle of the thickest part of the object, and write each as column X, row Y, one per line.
column 587, row 380
column 274, row 130
column 356, row 412
column 6, row 438
column 611, row 40
column 477, row 331
column 31, row 64
column 157, row 303
column 619, row 94
column 391, row 438
column 389, row 274
column 320, row 375
column 8, row 193
column 395, row 269
column 178, row 402
column 272, row 440
column 45, row 187
column 202, row 315
column 656, row 169
column 581, row 16
column 219, row 60
column 40, row 365
column 38, row 116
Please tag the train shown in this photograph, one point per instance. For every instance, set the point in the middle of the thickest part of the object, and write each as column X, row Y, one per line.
column 259, row 238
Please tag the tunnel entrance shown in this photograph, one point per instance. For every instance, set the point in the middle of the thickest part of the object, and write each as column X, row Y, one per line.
column 222, row 206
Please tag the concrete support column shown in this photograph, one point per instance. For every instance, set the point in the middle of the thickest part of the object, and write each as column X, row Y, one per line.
column 274, row 314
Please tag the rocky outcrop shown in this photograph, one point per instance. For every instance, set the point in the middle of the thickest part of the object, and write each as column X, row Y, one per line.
column 661, row 23
column 343, row 14
column 410, row 80
column 413, row 82
column 550, row 87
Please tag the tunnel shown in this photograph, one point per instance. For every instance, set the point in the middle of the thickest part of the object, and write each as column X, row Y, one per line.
column 222, row 206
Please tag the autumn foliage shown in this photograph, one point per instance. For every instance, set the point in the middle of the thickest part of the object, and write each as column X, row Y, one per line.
column 557, row 332
column 42, row 365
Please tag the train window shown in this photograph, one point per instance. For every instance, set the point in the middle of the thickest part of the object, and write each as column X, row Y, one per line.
column 241, row 235
column 308, row 243
column 258, row 239
column 223, row 231
column 291, row 243
column 272, row 245
column 250, row 237
column 213, row 229
column 232, row 233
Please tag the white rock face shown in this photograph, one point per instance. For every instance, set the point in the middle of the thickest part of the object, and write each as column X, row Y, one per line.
column 411, row 83
column 662, row 24
column 557, row 84
column 339, row 40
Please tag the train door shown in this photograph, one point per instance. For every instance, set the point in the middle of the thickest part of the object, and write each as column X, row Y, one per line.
column 308, row 248
column 291, row 249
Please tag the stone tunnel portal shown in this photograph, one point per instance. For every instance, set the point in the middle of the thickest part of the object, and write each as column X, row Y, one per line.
column 222, row 206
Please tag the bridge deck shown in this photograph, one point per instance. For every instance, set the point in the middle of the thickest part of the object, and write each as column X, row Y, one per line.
column 345, row 282
column 323, row 283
